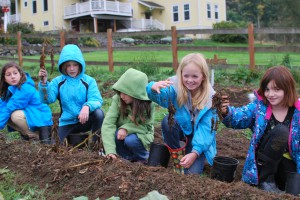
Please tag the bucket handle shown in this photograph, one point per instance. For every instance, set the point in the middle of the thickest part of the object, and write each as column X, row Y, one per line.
column 178, row 149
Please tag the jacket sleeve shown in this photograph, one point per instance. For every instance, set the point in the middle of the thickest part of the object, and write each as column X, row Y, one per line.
column 18, row 101
column 204, row 135
column 109, row 126
column 94, row 99
column 49, row 92
column 162, row 99
column 241, row 117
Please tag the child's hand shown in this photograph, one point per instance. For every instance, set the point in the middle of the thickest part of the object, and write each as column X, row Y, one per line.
column 188, row 160
column 43, row 76
column 225, row 104
column 161, row 84
column 84, row 114
column 122, row 133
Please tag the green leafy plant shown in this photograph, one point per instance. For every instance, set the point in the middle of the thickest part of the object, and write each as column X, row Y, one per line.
column 228, row 38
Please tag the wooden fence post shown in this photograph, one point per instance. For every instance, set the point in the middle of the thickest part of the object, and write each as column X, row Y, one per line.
column 19, row 35
column 110, row 50
column 174, row 48
column 251, row 46
column 62, row 40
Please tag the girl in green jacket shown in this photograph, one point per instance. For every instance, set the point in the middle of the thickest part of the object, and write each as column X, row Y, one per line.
column 128, row 129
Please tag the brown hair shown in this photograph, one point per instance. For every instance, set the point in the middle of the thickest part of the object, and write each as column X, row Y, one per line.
column 284, row 80
column 4, row 85
column 141, row 110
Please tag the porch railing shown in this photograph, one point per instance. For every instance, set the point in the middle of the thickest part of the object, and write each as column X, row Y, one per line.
column 98, row 7
column 147, row 24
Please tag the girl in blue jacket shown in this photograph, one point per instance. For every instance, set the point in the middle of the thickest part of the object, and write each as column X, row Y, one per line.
column 20, row 105
column 78, row 94
column 274, row 120
column 191, row 94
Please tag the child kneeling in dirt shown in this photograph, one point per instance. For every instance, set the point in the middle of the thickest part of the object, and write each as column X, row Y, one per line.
column 274, row 119
column 128, row 125
column 188, row 95
column 20, row 106
column 78, row 94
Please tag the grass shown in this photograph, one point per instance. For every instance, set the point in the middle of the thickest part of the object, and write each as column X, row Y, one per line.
column 238, row 58
column 11, row 190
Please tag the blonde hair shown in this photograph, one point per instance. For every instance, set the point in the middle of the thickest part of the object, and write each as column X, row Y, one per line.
column 202, row 95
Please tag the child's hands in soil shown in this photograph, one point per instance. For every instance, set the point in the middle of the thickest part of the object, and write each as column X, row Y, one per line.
column 188, row 160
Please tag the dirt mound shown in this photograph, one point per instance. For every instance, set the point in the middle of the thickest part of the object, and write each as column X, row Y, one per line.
column 65, row 174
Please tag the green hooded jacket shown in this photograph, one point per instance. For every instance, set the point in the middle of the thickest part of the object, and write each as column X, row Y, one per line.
column 132, row 83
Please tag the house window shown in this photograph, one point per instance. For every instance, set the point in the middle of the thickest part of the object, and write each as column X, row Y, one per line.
column 45, row 5
column 208, row 11
column 34, row 6
column 175, row 14
column 186, row 8
column 216, row 12
column 25, row 3
column 46, row 23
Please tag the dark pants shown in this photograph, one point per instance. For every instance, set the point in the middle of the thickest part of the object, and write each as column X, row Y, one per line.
column 270, row 151
column 93, row 124
column 131, row 148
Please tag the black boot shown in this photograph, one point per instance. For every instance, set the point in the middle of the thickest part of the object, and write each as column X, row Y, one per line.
column 45, row 134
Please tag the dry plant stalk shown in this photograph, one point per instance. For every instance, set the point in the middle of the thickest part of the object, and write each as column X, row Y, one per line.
column 172, row 111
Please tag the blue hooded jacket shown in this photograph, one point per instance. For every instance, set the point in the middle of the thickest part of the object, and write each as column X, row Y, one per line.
column 204, row 139
column 27, row 99
column 73, row 93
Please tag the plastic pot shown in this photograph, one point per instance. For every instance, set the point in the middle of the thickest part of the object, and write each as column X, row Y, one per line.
column 159, row 155
column 224, row 168
column 292, row 185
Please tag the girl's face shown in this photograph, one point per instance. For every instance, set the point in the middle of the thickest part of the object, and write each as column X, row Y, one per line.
column 12, row 76
column 72, row 68
column 273, row 94
column 126, row 98
column 192, row 77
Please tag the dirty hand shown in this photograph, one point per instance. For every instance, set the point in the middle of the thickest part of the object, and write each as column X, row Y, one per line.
column 43, row 75
column 122, row 133
column 112, row 156
column 224, row 105
column 188, row 160
column 161, row 84
column 84, row 114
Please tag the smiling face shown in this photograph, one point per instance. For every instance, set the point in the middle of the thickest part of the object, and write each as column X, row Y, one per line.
column 192, row 77
column 273, row 94
column 12, row 76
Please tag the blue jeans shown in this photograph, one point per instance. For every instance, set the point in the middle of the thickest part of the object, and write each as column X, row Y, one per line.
column 94, row 124
column 131, row 148
column 172, row 137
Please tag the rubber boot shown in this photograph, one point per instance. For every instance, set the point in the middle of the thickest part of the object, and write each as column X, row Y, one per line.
column 45, row 134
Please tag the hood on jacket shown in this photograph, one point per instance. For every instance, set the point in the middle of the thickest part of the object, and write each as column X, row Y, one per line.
column 133, row 83
column 29, row 81
column 71, row 52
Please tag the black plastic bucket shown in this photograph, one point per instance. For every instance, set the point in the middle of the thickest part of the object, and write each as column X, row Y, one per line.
column 159, row 155
column 224, row 168
column 292, row 185
column 76, row 138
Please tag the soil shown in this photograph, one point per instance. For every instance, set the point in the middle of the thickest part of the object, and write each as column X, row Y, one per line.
column 66, row 173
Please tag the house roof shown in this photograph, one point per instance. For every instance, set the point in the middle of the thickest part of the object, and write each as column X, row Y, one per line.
column 151, row 5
